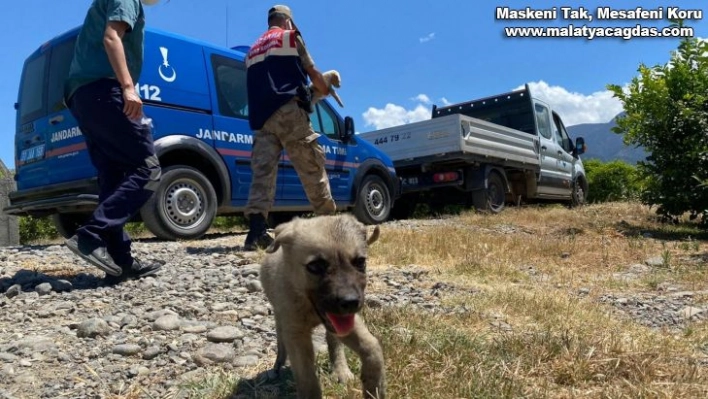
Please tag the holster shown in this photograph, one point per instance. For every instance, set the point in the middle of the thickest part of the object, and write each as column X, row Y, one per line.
column 304, row 96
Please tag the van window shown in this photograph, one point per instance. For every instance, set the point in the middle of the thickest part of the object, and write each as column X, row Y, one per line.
column 32, row 94
column 323, row 121
column 563, row 138
column 543, row 121
column 315, row 121
column 231, row 90
column 58, row 71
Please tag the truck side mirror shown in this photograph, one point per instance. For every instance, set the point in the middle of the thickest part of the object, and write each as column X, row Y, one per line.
column 580, row 145
column 348, row 129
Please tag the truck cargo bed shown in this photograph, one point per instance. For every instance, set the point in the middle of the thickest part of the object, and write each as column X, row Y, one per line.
column 444, row 137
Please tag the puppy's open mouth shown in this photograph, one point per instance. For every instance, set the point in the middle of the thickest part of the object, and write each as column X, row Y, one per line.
column 338, row 324
column 341, row 324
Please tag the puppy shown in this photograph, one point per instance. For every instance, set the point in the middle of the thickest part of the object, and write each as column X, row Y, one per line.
column 333, row 80
column 314, row 273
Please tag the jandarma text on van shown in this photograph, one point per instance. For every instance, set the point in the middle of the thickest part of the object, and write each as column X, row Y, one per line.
column 592, row 32
column 601, row 13
column 65, row 134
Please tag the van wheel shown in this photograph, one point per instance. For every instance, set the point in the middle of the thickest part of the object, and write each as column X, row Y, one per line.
column 373, row 205
column 578, row 195
column 66, row 224
column 183, row 206
column 493, row 198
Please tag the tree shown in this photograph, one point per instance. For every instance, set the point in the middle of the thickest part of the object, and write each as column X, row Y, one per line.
column 666, row 112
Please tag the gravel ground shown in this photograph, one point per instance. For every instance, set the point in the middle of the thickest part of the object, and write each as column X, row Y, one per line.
column 64, row 333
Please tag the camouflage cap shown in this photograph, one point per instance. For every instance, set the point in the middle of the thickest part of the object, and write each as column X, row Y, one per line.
column 280, row 9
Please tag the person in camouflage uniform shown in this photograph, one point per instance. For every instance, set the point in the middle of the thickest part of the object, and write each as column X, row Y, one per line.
column 278, row 65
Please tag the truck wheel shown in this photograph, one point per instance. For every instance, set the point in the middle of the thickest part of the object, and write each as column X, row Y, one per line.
column 67, row 223
column 492, row 199
column 577, row 196
column 183, row 206
column 373, row 205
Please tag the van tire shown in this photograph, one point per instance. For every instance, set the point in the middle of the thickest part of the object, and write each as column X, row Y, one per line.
column 373, row 204
column 578, row 195
column 164, row 217
column 66, row 224
column 495, row 191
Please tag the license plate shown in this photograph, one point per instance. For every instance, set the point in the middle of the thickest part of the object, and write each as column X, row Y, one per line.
column 32, row 154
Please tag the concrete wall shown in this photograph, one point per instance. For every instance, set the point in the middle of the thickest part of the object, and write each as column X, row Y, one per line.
column 9, row 225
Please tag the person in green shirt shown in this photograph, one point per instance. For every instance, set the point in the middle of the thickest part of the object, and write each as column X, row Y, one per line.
column 100, row 93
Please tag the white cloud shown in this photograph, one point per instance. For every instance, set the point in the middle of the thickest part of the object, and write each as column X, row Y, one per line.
column 394, row 115
column 422, row 98
column 427, row 38
column 576, row 108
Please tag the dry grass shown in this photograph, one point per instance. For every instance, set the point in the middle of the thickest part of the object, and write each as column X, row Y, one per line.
column 554, row 344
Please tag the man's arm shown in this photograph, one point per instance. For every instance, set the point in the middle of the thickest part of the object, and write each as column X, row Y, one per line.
column 309, row 65
column 112, row 41
column 317, row 80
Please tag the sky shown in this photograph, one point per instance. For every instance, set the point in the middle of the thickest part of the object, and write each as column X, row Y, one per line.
column 396, row 58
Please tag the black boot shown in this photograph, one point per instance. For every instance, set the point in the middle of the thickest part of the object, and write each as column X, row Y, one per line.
column 257, row 234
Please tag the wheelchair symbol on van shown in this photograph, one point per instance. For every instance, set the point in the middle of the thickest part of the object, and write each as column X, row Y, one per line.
column 166, row 67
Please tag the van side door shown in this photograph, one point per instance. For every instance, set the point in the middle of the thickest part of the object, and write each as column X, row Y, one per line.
column 551, row 179
column 566, row 159
column 232, row 134
column 339, row 159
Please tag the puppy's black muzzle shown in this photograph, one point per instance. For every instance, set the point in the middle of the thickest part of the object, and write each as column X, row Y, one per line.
column 347, row 304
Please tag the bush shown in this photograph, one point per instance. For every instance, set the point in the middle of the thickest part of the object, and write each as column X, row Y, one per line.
column 612, row 181
column 35, row 229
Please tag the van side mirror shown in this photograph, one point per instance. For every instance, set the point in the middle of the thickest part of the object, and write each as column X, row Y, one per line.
column 580, row 145
column 348, row 128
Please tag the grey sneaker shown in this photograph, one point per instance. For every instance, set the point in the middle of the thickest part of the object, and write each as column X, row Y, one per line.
column 97, row 256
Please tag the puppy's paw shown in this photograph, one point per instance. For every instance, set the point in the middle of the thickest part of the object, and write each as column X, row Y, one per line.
column 343, row 374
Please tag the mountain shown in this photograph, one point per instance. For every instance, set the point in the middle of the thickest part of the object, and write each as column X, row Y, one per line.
column 603, row 144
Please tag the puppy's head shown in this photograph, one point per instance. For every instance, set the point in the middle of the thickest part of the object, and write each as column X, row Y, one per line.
column 325, row 259
column 332, row 78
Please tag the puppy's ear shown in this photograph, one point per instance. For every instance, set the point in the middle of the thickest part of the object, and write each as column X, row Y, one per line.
column 284, row 234
column 374, row 236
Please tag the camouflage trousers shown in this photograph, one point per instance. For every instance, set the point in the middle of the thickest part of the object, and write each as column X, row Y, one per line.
column 288, row 128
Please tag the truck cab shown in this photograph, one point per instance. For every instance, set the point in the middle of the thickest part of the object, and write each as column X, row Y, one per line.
column 195, row 94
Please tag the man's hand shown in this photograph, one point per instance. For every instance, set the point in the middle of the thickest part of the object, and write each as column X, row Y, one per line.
column 112, row 41
column 318, row 80
column 133, row 105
